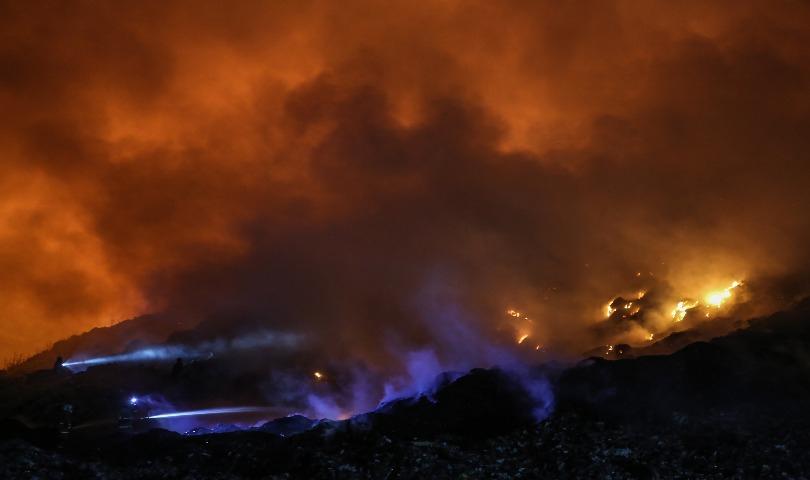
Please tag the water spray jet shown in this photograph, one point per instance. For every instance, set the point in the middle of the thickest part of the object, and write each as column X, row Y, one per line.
column 210, row 411
column 203, row 350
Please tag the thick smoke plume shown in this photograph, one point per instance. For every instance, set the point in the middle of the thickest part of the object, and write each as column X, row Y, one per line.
column 388, row 178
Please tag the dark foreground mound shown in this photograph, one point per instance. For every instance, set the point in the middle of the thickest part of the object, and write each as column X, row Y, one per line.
column 567, row 445
column 482, row 403
column 759, row 372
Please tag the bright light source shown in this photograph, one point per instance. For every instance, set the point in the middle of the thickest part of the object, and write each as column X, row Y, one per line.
column 715, row 299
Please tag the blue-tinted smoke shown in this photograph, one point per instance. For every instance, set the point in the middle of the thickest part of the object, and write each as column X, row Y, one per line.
column 457, row 347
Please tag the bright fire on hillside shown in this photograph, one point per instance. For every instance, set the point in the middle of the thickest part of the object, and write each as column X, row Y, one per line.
column 645, row 311
column 715, row 299
column 681, row 308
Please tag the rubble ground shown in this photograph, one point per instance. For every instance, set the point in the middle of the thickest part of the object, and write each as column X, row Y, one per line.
column 567, row 445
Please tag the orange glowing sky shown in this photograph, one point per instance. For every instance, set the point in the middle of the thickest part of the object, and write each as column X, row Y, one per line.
column 334, row 160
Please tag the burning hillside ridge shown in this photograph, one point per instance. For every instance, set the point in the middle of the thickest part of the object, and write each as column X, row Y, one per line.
column 651, row 315
column 265, row 359
column 654, row 310
column 221, row 366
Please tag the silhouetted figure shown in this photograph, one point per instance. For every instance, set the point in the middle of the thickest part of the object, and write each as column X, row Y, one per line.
column 133, row 414
column 59, row 363
column 177, row 368
column 66, row 420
